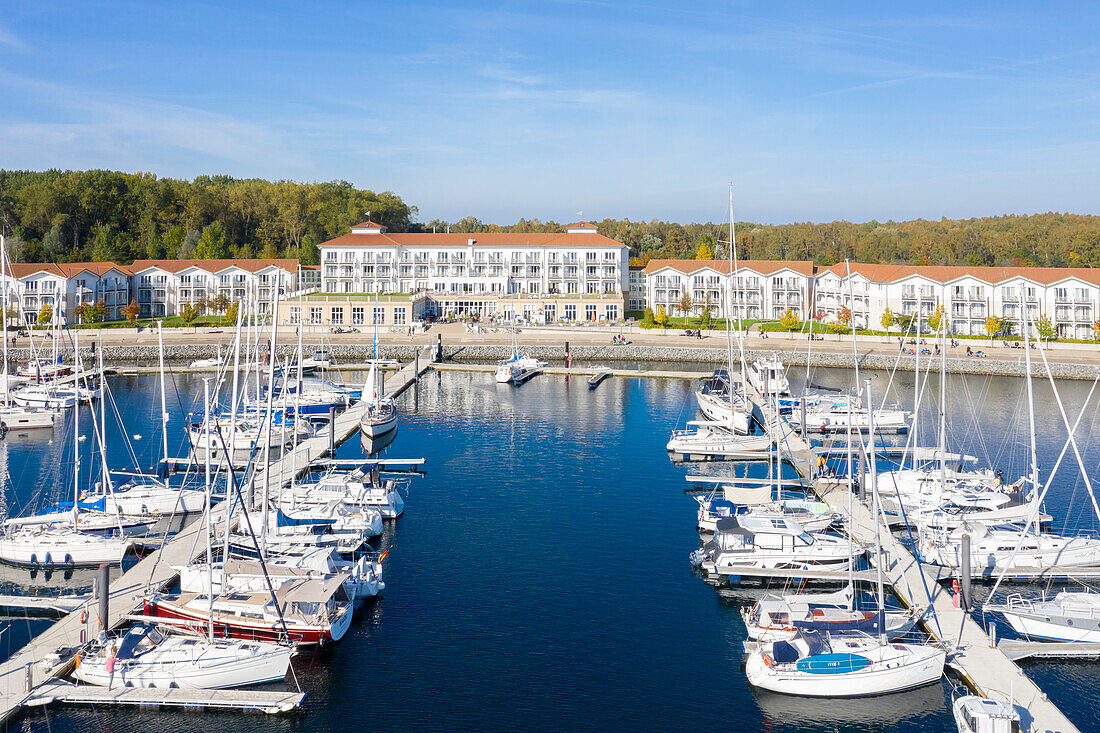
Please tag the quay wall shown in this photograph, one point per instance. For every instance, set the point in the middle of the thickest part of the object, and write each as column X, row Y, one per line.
column 144, row 357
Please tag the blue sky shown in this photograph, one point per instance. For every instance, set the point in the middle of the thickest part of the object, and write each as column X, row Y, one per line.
column 815, row 111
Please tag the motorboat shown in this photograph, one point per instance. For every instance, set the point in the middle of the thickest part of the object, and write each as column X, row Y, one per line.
column 1007, row 547
column 1067, row 616
column 712, row 440
column 984, row 507
column 309, row 611
column 722, row 402
column 215, row 362
column 819, row 665
column 146, row 657
column 17, row 418
column 338, row 515
column 836, row 417
column 768, row 376
column 364, row 486
column 813, row 516
column 52, row 546
column 974, row 714
column 765, row 541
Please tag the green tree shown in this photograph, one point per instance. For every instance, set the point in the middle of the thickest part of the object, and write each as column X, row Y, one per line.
column 188, row 245
column 106, row 246
column 45, row 315
column 889, row 320
column 212, row 244
column 188, row 313
column 219, row 304
column 789, row 320
column 1045, row 329
column 231, row 313
column 1096, row 329
column 648, row 317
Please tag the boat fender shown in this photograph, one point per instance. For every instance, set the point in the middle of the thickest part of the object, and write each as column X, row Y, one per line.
column 68, row 559
column 768, row 661
column 34, row 559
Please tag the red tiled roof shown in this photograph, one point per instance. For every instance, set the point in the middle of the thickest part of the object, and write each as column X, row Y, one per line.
column 457, row 239
column 63, row 269
column 581, row 225
column 174, row 266
column 948, row 273
column 368, row 224
column 763, row 267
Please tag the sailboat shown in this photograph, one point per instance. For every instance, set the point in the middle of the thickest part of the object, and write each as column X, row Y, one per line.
column 145, row 656
column 517, row 368
column 380, row 415
column 816, row 664
column 65, row 544
column 14, row 416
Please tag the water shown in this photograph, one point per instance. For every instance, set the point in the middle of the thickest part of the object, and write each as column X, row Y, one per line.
column 539, row 577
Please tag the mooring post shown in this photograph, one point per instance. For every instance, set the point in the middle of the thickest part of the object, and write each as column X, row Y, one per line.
column 103, row 589
column 992, row 635
column 439, row 347
column 964, row 566
column 28, row 680
column 332, row 430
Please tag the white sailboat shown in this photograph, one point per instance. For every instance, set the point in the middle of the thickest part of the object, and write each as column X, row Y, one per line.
column 517, row 368
column 380, row 415
column 146, row 657
column 1069, row 615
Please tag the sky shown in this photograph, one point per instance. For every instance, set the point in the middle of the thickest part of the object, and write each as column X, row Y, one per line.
column 578, row 108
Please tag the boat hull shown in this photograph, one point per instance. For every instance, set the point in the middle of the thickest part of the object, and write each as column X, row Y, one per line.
column 238, row 665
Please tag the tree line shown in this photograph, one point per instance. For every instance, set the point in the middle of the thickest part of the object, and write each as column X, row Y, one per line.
column 74, row 216
column 70, row 216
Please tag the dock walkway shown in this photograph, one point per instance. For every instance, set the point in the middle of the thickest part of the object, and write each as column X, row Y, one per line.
column 38, row 662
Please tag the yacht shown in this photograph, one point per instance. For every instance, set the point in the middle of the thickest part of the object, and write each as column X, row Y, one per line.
column 813, row 516
column 1067, row 616
column 518, row 368
column 771, row 541
column 363, row 575
column 1007, row 547
column 364, row 487
column 782, row 617
column 50, row 546
column 768, row 376
column 974, row 714
column 722, row 402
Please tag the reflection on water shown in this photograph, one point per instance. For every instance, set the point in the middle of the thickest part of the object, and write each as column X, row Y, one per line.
column 539, row 577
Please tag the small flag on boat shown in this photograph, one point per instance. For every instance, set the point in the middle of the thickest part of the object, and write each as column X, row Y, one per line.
column 383, row 556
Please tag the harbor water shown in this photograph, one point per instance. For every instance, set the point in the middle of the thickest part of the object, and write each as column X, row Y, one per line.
column 539, row 578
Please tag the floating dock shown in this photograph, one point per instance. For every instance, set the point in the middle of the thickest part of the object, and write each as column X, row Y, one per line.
column 261, row 701
column 986, row 668
column 34, row 669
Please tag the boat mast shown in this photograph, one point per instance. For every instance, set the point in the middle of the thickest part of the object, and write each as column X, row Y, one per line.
column 852, row 319
column 76, row 429
column 4, row 277
column 735, row 300
column 270, row 407
column 1030, row 399
column 163, row 396
column 231, row 477
column 915, row 429
column 877, row 513
column 851, row 492
column 943, row 392
column 209, row 511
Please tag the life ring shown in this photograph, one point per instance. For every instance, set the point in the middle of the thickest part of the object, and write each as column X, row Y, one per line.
column 84, row 616
column 768, row 661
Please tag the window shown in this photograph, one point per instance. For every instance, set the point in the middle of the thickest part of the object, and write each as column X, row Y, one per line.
column 379, row 315
column 357, row 315
column 337, row 317
column 315, row 315
column 570, row 312
column 612, row 312
column 399, row 316
column 590, row 312
column 295, row 315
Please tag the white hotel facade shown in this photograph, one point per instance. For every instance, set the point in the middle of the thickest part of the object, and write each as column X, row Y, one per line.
column 1069, row 297
column 574, row 275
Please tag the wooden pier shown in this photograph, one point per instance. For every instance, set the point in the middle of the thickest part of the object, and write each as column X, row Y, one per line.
column 34, row 669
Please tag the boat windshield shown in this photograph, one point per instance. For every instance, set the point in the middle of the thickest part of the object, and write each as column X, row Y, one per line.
column 806, row 538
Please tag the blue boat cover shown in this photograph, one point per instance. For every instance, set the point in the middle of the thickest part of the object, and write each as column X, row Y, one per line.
column 282, row 520
column 832, row 663
column 871, row 624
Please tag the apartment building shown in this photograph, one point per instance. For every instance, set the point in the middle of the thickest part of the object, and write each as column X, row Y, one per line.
column 759, row 289
column 63, row 286
column 1069, row 297
column 162, row 287
column 577, row 274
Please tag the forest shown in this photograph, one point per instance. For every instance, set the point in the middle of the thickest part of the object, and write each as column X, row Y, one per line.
column 72, row 216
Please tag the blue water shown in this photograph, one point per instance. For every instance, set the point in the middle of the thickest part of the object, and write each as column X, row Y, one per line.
column 539, row 577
